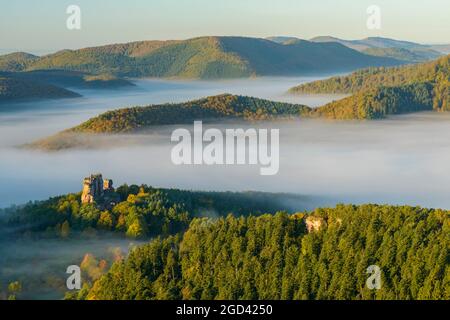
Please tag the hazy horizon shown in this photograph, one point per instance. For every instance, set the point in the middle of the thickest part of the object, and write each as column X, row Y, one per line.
column 354, row 162
column 43, row 52
column 41, row 27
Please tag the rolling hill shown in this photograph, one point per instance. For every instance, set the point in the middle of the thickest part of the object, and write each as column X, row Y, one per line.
column 381, row 47
column 207, row 58
column 278, row 257
column 413, row 56
column 157, row 211
column 385, row 47
column 71, row 79
column 383, row 91
column 380, row 102
column 131, row 120
column 438, row 70
column 16, row 89
column 283, row 39
column 17, row 61
column 443, row 48
column 215, row 107
column 269, row 58
column 255, row 247
column 371, row 42
column 354, row 44
column 52, row 84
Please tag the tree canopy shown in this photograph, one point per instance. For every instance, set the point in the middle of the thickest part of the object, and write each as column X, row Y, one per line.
column 275, row 257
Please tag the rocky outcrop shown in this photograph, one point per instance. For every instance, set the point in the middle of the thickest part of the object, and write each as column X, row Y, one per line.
column 108, row 185
column 315, row 223
column 98, row 190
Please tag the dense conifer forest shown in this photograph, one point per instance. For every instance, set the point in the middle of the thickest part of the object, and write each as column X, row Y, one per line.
column 275, row 257
column 210, row 245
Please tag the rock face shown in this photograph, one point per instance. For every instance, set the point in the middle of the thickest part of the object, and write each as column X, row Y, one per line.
column 314, row 223
column 108, row 185
column 95, row 188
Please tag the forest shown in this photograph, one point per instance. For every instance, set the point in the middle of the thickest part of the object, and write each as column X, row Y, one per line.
column 132, row 120
column 380, row 102
column 276, row 257
column 370, row 78
column 61, row 231
column 141, row 212
column 52, row 84
column 12, row 88
column 200, row 58
column 208, row 245
column 385, row 91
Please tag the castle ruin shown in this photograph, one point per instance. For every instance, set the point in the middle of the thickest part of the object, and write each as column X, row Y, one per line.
column 95, row 188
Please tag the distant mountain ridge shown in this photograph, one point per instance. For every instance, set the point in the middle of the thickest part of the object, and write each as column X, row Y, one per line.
column 283, row 39
column 413, row 56
column 382, row 47
column 371, row 42
column 443, row 48
column 204, row 57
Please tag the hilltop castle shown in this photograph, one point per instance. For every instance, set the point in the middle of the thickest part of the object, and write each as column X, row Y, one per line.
column 96, row 189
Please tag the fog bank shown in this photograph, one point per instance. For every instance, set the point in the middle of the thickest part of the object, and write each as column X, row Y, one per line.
column 401, row 160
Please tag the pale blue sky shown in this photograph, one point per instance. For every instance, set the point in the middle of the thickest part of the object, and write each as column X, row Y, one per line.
column 40, row 26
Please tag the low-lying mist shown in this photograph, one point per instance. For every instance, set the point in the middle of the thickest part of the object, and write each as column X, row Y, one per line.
column 399, row 160
column 34, row 175
column 40, row 265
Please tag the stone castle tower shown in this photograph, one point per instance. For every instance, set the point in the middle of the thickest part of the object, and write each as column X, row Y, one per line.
column 94, row 188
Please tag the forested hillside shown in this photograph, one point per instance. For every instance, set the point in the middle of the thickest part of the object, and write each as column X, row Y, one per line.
column 213, row 245
column 275, row 257
column 380, row 102
column 17, row 61
column 12, row 88
column 205, row 57
column 296, row 57
column 70, row 79
column 52, row 84
column 214, row 107
column 435, row 71
column 384, row 91
column 138, row 211
column 131, row 120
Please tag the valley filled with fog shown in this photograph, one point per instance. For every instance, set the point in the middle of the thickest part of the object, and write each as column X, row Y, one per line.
column 40, row 265
column 401, row 160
